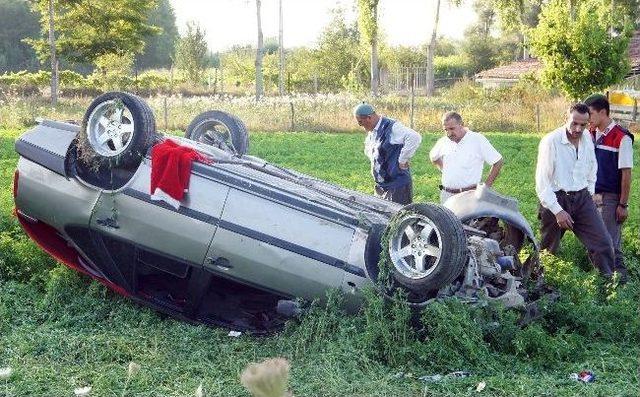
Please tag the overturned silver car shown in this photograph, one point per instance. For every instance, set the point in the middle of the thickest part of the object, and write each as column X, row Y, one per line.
column 249, row 237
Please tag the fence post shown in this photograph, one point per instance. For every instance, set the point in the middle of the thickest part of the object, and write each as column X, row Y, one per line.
column 165, row 115
column 221, row 79
column 538, row 117
column 413, row 97
column 171, row 79
column 315, row 84
column 293, row 124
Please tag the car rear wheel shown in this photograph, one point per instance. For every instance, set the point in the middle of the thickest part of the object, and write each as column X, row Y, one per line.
column 220, row 129
column 427, row 247
column 117, row 130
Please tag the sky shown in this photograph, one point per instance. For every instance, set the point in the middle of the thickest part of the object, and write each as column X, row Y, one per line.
column 230, row 22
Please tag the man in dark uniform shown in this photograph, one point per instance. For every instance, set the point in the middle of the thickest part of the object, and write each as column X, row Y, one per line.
column 389, row 145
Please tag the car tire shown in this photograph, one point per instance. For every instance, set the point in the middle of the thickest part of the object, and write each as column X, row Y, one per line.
column 220, row 129
column 117, row 130
column 427, row 247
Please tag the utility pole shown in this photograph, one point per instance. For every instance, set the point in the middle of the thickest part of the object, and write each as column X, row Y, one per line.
column 259, row 54
column 54, row 59
column 431, row 49
column 281, row 52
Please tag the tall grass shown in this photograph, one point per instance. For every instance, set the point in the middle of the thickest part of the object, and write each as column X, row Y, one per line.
column 519, row 109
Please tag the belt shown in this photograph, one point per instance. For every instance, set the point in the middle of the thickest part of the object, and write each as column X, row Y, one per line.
column 571, row 193
column 456, row 191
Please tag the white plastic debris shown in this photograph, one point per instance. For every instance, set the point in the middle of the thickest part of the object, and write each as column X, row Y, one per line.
column 5, row 373
column 481, row 386
column 234, row 334
column 200, row 391
column 431, row 378
column 82, row 391
column 438, row 377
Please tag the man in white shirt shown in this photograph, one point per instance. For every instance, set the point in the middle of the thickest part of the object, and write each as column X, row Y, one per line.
column 389, row 145
column 565, row 181
column 461, row 155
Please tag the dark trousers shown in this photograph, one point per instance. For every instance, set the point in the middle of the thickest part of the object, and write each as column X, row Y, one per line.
column 401, row 195
column 587, row 226
column 607, row 204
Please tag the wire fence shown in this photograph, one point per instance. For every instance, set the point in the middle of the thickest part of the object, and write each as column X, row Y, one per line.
column 402, row 80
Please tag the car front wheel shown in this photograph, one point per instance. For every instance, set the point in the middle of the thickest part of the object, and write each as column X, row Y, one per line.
column 427, row 247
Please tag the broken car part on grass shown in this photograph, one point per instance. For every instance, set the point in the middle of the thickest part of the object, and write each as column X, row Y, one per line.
column 250, row 237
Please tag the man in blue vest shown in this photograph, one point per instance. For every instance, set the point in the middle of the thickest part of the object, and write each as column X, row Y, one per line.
column 389, row 145
column 614, row 154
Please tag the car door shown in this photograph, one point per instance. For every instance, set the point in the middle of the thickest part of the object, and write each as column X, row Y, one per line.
column 270, row 242
column 131, row 217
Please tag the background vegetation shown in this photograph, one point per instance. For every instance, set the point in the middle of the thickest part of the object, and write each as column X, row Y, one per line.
column 114, row 48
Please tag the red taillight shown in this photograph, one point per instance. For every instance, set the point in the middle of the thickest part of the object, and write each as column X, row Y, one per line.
column 15, row 184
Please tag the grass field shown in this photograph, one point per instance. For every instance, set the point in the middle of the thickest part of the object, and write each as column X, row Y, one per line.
column 59, row 330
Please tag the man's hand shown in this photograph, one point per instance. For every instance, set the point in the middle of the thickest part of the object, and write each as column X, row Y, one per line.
column 621, row 214
column 564, row 220
column 404, row 166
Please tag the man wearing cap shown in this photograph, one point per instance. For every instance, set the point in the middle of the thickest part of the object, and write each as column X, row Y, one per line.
column 614, row 154
column 389, row 145
column 565, row 180
column 460, row 156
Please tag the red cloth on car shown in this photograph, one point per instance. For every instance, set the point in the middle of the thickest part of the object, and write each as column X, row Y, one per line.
column 171, row 168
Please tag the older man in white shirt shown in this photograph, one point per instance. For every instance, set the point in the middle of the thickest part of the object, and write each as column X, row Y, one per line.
column 461, row 155
column 565, row 181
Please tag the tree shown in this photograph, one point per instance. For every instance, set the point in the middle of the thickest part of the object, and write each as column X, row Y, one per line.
column 518, row 17
column 280, row 50
column 259, row 55
column 337, row 54
column 270, row 46
column 88, row 29
column 368, row 26
column 431, row 47
column 192, row 53
column 486, row 18
column 17, row 21
column 54, row 59
column 481, row 53
column 480, row 48
column 159, row 49
column 580, row 55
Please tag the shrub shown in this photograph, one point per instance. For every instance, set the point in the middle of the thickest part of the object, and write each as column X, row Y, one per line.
column 535, row 343
column 387, row 334
column 454, row 340
column 451, row 66
column 71, row 79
